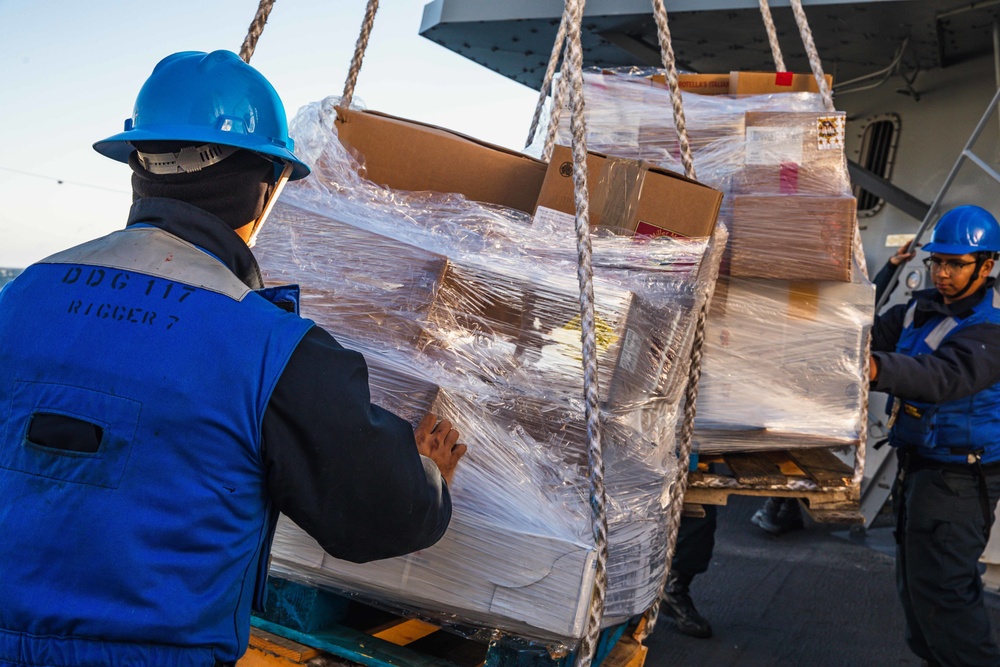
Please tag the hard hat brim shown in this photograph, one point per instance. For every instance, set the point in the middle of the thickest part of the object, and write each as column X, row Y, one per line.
column 120, row 146
column 951, row 249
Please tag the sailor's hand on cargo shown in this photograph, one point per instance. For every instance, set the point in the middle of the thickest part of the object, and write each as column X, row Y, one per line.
column 438, row 441
column 903, row 254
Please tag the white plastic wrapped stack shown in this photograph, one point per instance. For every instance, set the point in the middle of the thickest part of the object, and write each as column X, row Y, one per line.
column 784, row 356
column 472, row 311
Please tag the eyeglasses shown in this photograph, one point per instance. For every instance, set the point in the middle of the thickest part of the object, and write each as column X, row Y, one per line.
column 950, row 266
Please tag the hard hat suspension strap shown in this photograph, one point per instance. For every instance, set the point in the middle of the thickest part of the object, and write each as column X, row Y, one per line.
column 185, row 161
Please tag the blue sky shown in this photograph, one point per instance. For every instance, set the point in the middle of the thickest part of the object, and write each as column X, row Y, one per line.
column 70, row 71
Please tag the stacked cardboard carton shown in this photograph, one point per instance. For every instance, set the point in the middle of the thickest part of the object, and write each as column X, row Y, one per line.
column 785, row 337
column 464, row 304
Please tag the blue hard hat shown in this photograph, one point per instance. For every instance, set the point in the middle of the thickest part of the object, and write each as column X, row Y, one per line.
column 963, row 230
column 207, row 98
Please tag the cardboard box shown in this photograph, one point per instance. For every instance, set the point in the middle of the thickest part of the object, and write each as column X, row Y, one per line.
column 410, row 298
column 538, row 586
column 745, row 83
column 702, row 84
column 364, row 284
column 531, row 329
column 395, row 387
column 793, row 153
column 792, row 237
column 783, row 364
column 518, row 555
column 407, row 155
column 632, row 197
column 765, row 83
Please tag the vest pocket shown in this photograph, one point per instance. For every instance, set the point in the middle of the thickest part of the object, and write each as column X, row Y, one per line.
column 62, row 432
column 914, row 425
column 69, row 433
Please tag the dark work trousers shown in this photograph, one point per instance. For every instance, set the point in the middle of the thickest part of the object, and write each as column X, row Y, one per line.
column 940, row 537
column 695, row 542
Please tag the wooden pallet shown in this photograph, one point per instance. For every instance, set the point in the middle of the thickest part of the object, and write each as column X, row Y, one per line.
column 816, row 477
column 305, row 626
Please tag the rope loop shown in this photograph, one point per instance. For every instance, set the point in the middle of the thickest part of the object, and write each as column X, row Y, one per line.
column 814, row 62
column 255, row 30
column 670, row 64
column 550, row 70
column 772, row 37
column 359, row 53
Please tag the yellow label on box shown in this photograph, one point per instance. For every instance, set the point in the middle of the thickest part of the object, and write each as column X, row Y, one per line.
column 830, row 132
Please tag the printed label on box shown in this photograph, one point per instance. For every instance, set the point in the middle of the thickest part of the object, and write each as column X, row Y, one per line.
column 629, row 359
column 830, row 132
column 549, row 218
column 774, row 145
column 644, row 228
column 568, row 342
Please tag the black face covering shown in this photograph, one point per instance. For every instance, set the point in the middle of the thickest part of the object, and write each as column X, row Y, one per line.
column 235, row 189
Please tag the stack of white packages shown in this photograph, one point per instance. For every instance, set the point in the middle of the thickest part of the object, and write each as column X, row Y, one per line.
column 472, row 311
column 786, row 335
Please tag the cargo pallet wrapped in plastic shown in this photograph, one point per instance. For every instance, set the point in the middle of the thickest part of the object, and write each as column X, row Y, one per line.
column 785, row 348
column 471, row 309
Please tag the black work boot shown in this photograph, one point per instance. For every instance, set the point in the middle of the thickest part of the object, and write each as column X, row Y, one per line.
column 677, row 604
column 779, row 515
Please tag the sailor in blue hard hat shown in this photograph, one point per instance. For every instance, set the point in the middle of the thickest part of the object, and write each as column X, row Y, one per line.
column 196, row 111
column 963, row 250
column 938, row 357
column 161, row 405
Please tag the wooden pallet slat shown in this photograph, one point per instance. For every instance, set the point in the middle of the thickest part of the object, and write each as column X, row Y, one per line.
column 820, row 480
column 787, row 466
column 823, row 467
column 754, row 470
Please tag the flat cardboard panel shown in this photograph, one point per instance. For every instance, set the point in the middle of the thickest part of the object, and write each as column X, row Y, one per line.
column 406, row 155
column 627, row 196
column 703, row 84
column 764, row 83
column 745, row 83
column 792, row 237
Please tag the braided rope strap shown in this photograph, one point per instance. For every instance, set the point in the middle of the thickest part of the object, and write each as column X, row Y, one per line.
column 558, row 100
column 256, row 29
column 670, row 64
column 550, row 71
column 772, row 36
column 814, row 62
column 679, row 485
column 573, row 72
column 359, row 53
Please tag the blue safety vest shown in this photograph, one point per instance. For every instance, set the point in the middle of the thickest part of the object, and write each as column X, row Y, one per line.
column 151, row 549
column 948, row 432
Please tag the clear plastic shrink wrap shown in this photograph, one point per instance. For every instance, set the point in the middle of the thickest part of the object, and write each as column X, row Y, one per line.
column 782, row 365
column 472, row 311
column 778, row 158
column 784, row 356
